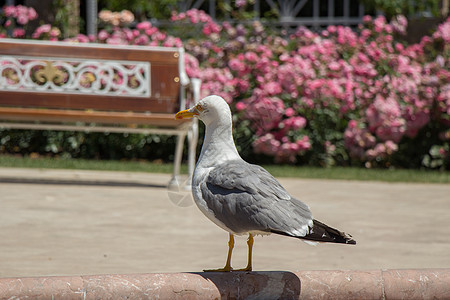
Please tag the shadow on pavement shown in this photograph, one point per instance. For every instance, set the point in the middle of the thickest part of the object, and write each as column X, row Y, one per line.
column 90, row 182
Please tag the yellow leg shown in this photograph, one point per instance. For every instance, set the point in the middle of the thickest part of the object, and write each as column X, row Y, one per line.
column 227, row 267
column 250, row 249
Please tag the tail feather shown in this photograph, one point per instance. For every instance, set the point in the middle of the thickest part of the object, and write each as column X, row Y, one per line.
column 321, row 232
column 324, row 233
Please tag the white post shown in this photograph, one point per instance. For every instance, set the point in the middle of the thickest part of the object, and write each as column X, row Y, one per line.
column 193, row 133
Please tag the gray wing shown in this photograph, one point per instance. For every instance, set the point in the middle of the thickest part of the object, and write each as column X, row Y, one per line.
column 245, row 197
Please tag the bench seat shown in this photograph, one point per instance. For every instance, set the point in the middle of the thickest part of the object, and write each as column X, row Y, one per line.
column 90, row 116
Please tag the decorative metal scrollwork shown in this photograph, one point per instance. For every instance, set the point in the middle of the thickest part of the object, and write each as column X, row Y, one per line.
column 76, row 76
column 50, row 73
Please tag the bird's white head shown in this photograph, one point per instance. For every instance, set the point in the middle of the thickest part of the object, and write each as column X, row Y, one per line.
column 211, row 109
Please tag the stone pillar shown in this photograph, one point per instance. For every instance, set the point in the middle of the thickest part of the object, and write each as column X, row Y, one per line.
column 91, row 17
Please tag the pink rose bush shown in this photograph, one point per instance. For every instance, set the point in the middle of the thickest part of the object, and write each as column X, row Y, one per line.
column 13, row 16
column 46, row 32
column 335, row 97
column 144, row 34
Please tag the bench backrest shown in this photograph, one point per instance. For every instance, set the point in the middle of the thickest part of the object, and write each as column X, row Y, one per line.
column 90, row 76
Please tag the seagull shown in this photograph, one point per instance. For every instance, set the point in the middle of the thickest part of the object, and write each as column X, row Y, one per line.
column 243, row 198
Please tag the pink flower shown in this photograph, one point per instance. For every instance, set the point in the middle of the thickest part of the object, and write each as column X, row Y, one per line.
column 265, row 112
column 289, row 112
column 41, row 30
column 384, row 117
column 22, row 19
column 272, row 88
column 80, row 37
column 240, row 3
column 210, row 28
column 251, row 56
column 128, row 34
column 21, row 13
column 240, row 106
column 9, row 11
column 334, row 66
column 266, row 144
column 18, row 33
column 352, row 124
column 177, row 17
column 304, row 143
column 400, row 24
column 115, row 40
column 381, row 150
column 159, row 36
column 141, row 40
column 144, row 25
column 294, row 123
column 103, row 35
column 367, row 19
column 415, row 121
column 391, row 147
column 150, row 31
column 243, row 85
column 236, row 65
column 32, row 15
column 192, row 66
column 443, row 31
column 379, row 23
column 329, row 147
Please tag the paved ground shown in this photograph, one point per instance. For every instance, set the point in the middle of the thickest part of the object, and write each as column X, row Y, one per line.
column 83, row 222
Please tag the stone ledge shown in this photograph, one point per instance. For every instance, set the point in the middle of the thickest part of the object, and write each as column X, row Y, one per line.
column 341, row 284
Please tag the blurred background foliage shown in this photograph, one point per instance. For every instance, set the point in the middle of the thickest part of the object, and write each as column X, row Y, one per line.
column 391, row 8
column 323, row 124
column 70, row 144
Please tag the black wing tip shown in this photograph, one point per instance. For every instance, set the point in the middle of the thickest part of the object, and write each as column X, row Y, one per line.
column 349, row 240
column 325, row 233
column 342, row 238
column 322, row 233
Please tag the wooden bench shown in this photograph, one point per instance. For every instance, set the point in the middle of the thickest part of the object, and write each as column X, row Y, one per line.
column 95, row 87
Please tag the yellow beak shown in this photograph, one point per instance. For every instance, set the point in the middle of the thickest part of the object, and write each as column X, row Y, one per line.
column 185, row 114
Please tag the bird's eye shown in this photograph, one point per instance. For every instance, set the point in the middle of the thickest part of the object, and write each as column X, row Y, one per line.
column 199, row 107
